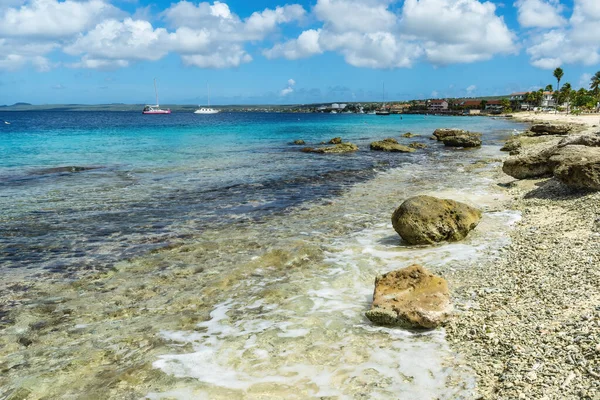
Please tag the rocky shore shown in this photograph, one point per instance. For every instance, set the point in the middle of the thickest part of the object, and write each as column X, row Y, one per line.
column 528, row 320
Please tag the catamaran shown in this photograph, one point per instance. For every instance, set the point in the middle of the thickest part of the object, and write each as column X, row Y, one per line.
column 207, row 110
column 150, row 109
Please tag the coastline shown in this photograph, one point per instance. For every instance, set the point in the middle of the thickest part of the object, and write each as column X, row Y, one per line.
column 528, row 322
column 178, row 289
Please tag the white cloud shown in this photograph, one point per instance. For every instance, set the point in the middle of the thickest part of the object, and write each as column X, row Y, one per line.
column 289, row 89
column 369, row 34
column 306, row 45
column 576, row 43
column 15, row 54
column 53, row 19
column 434, row 94
column 457, row 31
column 540, row 13
column 471, row 89
column 206, row 36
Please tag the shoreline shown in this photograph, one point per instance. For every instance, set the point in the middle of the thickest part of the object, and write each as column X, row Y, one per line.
column 528, row 323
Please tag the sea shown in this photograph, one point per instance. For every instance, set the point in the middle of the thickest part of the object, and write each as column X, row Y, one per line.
column 273, row 251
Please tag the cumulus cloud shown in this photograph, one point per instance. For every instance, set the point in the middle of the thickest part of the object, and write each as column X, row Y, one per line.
column 54, row 19
column 575, row 43
column 471, row 89
column 369, row 34
column 289, row 89
column 540, row 13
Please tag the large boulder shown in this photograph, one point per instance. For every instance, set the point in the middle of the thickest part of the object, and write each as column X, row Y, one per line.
column 392, row 145
column 440, row 134
column 577, row 166
column 550, row 129
column 466, row 139
column 584, row 140
column 338, row 148
column 412, row 298
column 528, row 166
column 428, row 220
column 513, row 146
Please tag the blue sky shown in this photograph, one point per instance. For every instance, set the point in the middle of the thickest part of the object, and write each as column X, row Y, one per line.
column 259, row 52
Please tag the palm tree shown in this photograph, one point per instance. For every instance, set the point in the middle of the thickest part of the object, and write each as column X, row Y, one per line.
column 558, row 74
column 565, row 94
column 548, row 88
column 595, row 84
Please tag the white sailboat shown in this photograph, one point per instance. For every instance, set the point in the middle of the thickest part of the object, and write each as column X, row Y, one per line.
column 383, row 110
column 155, row 109
column 207, row 110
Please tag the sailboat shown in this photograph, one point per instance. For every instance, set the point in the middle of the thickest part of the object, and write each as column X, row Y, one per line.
column 150, row 109
column 207, row 109
column 383, row 111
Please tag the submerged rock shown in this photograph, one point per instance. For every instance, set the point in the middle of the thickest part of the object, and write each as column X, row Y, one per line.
column 428, row 220
column 390, row 145
column 408, row 135
column 418, row 145
column 299, row 142
column 466, row 140
column 411, row 297
column 550, row 129
column 336, row 140
column 338, row 148
column 62, row 170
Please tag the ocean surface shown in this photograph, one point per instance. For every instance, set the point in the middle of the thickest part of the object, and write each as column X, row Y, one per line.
column 291, row 240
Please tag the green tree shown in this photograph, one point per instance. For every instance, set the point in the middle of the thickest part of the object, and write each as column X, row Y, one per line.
column 595, row 84
column 566, row 95
column 548, row 88
column 483, row 104
column 506, row 106
column 558, row 74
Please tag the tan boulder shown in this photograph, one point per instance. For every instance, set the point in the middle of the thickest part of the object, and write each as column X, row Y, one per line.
column 408, row 135
column 465, row 140
column 550, row 129
column 577, row 166
column 440, row 134
column 428, row 220
column 412, row 298
column 390, row 145
column 527, row 166
column 417, row 145
column 584, row 140
column 338, row 148
column 336, row 140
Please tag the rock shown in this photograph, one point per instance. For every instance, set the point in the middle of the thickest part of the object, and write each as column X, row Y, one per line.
column 408, row 135
column 390, row 145
column 466, row 139
column 584, row 140
column 550, row 129
column 299, row 142
column 428, row 220
column 512, row 145
column 411, row 297
column 336, row 140
column 530, row 166
column 440, row 134
column 338, row 148
column 577, row 166
column 61, row 170
column 418, row 145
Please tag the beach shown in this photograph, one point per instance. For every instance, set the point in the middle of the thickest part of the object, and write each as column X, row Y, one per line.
column 273, row 307
column 530, row 320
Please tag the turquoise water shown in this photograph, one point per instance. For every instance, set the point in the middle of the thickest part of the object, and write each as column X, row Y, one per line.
column 231, row 265
column 144, row 180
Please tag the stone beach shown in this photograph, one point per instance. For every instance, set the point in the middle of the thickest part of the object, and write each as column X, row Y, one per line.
column 528, row 322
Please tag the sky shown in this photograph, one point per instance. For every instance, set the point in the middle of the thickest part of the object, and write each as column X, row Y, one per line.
column 299, row 52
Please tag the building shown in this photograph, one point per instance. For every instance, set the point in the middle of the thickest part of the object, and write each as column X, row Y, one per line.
column 470, row 104
column 437, row 105
column 400, row 108
column 494, row 105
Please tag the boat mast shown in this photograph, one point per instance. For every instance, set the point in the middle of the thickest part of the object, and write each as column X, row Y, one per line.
column 156, row 92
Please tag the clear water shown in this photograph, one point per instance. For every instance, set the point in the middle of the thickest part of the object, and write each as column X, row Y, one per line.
column 277, row 250
column 153, row 178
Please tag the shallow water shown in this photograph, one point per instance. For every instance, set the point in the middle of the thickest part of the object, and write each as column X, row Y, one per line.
column 250, row 301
